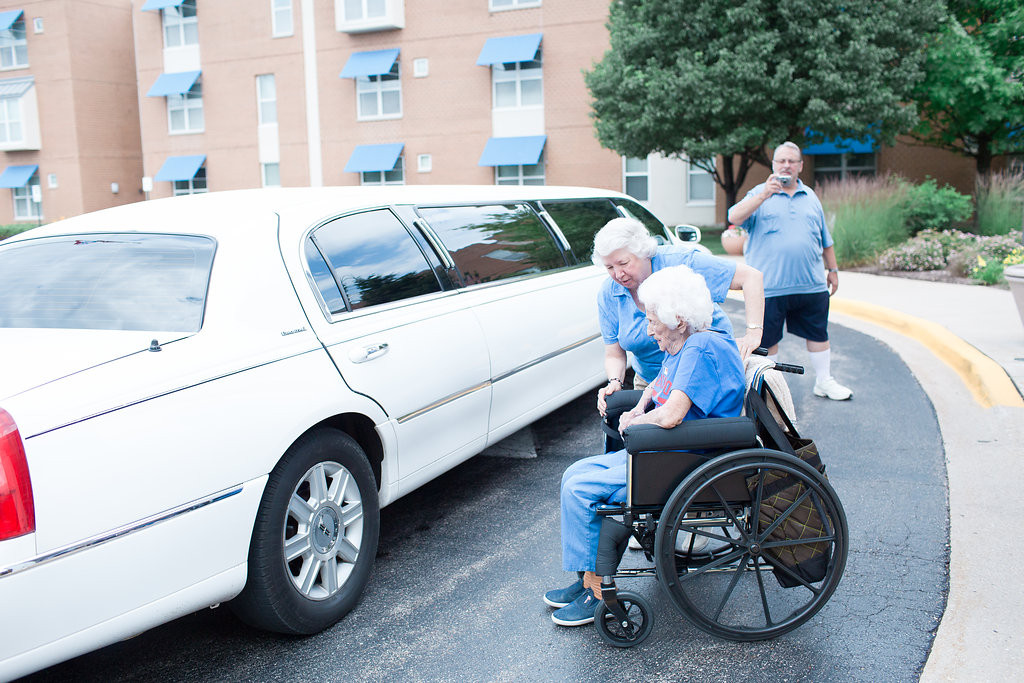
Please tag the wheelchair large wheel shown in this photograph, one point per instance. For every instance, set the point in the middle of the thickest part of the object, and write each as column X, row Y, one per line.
column 638, row 617
column 742, row 593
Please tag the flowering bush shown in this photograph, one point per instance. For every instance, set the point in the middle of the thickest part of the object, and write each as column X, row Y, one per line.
column 923, row 252
column 967, row 255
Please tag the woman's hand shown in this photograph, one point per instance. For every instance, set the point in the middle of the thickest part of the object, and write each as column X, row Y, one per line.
column 748, row 342
column 604, row 392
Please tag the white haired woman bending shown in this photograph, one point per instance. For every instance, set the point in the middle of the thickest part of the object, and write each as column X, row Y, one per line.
column 701, row 376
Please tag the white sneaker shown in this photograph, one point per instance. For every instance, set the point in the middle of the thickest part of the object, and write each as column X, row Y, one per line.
column 832, row 389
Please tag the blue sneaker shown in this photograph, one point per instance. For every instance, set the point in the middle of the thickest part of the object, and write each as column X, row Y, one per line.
column 563, row 596
column 578, row 612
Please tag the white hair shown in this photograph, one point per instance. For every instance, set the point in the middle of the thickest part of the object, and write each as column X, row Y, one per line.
column 677, row 294
column 623, row 233
column 790, row 145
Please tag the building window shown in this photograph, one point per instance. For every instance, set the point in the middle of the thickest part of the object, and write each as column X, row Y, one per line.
column 700, row 185
column 424, row 163
column 518, row 84
column 11, row 126
column 266, row 99
column 396, row 176
column 380, row 97
column 523, row 174
column 25, row 207
column 841, row 166
column 185, row 110
column 181, row 27
column 634, row 178
column 497, row 5
column 281, row 23
column 195, row 185
column 14, row 46
column 356, row 10
column 271, row 175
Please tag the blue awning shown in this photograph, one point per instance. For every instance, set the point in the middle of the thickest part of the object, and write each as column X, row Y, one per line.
column 840, row 146
column 180, row 168
column 374, row 157
column 16, row 87
column 7, row 19
column 173, row 84
column 372, row 63
column 513, row 151
column 509, row 49
column 17, row 176
column 153, row 5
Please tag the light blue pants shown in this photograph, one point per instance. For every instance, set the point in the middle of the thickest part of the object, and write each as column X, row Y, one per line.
column 586, row 484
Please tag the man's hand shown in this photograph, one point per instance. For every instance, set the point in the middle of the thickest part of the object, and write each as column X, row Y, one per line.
column 833, row 283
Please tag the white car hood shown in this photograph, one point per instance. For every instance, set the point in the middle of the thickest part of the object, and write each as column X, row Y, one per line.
column 30, row 358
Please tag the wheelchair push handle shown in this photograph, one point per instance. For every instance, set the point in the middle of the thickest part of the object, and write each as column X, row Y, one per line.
column 781, row 367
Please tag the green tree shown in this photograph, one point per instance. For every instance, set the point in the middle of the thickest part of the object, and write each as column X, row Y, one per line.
column 733, row 78
column 972, row 95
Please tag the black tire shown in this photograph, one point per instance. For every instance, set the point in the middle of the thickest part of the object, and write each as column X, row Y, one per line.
column 736, row 595
column 308, row 569
column 638, row 612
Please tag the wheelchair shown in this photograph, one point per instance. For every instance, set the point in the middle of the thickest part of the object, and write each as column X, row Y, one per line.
column 697, row 502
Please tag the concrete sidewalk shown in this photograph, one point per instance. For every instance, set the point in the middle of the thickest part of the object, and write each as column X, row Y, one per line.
column 965, row 345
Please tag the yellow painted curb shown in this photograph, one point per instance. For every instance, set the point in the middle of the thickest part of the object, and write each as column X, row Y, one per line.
column 986, row 379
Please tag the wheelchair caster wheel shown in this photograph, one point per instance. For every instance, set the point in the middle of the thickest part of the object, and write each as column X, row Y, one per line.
column 629, row 632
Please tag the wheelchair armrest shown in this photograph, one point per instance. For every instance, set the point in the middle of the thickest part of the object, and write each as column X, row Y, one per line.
column 623, row 400
column 712, row 432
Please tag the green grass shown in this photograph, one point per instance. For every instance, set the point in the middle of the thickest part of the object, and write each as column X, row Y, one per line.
column 1000, row 204
column 865, row 216
column 711, row 237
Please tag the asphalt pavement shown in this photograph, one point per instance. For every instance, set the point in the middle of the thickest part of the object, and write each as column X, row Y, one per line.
column 965, row 345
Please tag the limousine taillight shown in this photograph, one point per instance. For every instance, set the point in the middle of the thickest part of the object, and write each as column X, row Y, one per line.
column 17, row 511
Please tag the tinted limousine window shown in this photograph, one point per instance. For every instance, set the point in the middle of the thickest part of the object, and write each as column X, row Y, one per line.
column 107, row 282
column 579, row 220
column 368, row 259
column 494, row 241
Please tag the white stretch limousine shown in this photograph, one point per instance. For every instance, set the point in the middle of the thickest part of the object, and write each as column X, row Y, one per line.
column 211, row 397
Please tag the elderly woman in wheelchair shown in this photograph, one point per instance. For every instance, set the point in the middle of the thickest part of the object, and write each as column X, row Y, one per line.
column 747, row 536
column 701, row 376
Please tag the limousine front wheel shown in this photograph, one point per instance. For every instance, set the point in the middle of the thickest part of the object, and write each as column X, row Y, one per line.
column 315, row 537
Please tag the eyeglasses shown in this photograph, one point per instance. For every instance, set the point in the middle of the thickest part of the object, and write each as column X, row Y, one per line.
column 791, row 162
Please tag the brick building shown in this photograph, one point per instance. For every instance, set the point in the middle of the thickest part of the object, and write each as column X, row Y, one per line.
column 121, row 100
column 69, row 120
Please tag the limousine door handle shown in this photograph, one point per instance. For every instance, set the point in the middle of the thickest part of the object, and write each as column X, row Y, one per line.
column 361, row 355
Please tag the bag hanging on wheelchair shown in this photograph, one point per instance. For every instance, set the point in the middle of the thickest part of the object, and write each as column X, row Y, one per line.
column 809, row 561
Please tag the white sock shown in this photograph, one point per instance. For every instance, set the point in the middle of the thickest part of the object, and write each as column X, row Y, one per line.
column 821, row 361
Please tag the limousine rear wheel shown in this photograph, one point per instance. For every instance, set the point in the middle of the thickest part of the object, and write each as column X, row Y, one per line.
column 315, row 537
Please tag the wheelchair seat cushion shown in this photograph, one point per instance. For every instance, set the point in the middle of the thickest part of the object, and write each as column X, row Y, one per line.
column 719, row 433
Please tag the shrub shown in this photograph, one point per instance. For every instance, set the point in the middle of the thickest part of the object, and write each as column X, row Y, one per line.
column 919, row 253
column 1000, row 199
column 989, row 272
column 929, row 206
column 865, row 216
column 14, row 228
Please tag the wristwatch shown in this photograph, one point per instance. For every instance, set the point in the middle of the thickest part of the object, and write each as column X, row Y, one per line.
column 754, row 327
column 833, row 270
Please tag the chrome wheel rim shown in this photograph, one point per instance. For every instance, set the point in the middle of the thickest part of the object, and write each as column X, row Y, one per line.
column 323, row 530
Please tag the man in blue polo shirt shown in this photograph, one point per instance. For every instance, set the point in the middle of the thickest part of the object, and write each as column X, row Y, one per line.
column 787, row 241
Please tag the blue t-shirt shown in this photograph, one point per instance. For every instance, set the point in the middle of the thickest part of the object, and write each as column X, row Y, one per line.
column 786, row 238
column 623, row 323
column 709, row 371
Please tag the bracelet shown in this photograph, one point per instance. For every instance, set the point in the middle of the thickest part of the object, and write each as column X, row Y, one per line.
column 754, row 327
column 615, row 379
column 833, row 270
